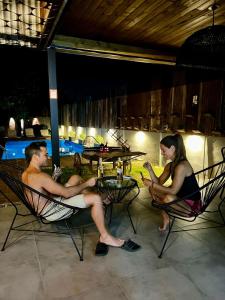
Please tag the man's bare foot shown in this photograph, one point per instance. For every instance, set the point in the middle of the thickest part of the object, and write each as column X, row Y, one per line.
column 111, row 241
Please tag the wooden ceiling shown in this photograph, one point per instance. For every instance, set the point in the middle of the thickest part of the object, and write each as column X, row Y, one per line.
column 159, row 25
column 139, row 30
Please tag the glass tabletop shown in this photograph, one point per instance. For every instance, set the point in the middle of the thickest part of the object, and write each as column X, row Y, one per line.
column 111, row 182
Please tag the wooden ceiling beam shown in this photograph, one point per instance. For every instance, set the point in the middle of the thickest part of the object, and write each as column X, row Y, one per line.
column 68, row 44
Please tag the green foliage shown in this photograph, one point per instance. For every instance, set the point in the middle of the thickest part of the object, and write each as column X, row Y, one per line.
column 72, row 134
column 82, row 136
column 100, row 139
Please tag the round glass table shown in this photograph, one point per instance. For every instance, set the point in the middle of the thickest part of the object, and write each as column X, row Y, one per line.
column 116, row 191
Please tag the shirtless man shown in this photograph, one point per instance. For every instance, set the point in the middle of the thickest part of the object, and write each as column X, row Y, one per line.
column 73, row 193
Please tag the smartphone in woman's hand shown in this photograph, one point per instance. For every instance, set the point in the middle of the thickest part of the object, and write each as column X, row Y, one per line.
column 142, row 177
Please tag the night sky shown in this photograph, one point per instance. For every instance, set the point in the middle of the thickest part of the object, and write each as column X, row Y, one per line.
column 24, row 82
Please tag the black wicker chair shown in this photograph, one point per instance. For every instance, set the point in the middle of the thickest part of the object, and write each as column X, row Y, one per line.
column 223, row 152
column 41, row 214
column 212, row 182
column 11, row 168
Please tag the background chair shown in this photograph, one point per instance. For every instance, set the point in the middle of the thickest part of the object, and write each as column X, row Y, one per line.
column 223, row 152
column 12, row 133
column 29, row 132
column 41, row 214
column 212, row 182
column 45, row 133
column 3, row 151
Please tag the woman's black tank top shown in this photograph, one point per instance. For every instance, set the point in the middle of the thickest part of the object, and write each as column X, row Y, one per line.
column 189, row 187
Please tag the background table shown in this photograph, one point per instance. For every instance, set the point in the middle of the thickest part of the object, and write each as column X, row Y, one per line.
column 112, row 156
column 116, row 192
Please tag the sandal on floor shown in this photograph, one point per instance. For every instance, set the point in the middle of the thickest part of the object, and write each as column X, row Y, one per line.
column 130, row 246
column 101, row 249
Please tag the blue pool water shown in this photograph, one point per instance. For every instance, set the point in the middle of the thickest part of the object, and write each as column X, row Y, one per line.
column 16, row 149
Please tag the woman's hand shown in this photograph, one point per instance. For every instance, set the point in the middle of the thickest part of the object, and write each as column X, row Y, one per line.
column 147, row 182
column 147, row 165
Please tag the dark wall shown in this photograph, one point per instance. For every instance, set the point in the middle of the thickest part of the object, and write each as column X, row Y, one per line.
column 24, row 83
column 105, row 93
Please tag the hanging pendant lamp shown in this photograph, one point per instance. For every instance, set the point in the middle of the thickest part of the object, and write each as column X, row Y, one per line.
column 204, row 48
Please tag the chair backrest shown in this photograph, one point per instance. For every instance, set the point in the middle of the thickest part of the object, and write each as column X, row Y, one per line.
column 2, row 150
column 17, row 188
column 12, row 133
column 211, row 180
column 29, row 132
column 11, row 168
column 210, row 189
column 223, row 153
column 39, row 204
column 45, row 132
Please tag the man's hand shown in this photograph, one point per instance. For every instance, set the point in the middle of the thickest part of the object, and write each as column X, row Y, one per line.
column 91, row 182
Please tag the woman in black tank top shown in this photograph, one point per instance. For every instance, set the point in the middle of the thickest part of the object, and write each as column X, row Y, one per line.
column 179, row 169
column 189, row 187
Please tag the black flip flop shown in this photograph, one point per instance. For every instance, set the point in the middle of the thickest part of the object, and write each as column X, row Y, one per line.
column 130, row 246
column 101, row 249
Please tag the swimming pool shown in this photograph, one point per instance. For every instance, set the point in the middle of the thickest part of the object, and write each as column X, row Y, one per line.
column 16, row 149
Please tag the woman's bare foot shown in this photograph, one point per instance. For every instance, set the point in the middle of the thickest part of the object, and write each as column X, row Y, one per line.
column 164, row 227
column 166, row 221
column 111, row 241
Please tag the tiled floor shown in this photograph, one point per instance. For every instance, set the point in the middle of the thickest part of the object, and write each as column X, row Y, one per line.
column 46, row 267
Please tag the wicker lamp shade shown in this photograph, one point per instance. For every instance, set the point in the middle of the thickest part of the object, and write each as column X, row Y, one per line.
column 204, row 49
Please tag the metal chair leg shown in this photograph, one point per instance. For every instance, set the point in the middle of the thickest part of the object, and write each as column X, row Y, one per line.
column 110, row 213
column 220, row 212
column 80, row 254
column 170, row 227
column 128, row 211
column 131, row 221
column 10, row 228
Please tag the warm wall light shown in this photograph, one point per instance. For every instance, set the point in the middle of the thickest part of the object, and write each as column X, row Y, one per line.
column 195, row 143
column 79, row 130
column 70, row 128
column 111, row 131
column 12, row 124
column 92, row 131
column 61, row 130
column 35, row 121
column 140, row 136
column 109, row 137
column 22, row 124
column 195, row 99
